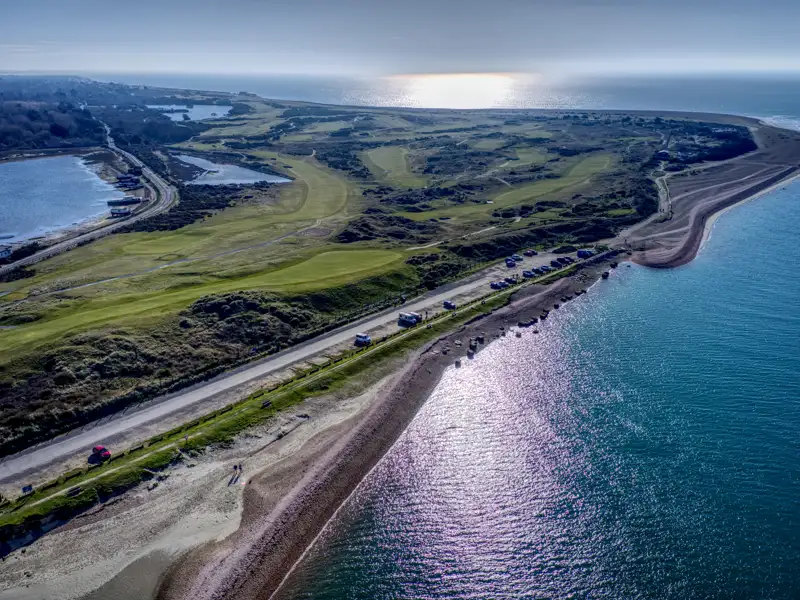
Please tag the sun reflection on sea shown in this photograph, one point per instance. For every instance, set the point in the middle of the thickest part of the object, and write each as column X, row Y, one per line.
column 457, row 90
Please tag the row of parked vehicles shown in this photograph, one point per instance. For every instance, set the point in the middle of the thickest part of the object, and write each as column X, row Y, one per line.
column 555, row 264
column 410, row 319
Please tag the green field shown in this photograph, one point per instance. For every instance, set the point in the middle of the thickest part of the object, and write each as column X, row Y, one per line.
column 489, row 143
column 527, row 157
column 315, row 194
column 390, row 164
column 324, row 270
column 577, row 175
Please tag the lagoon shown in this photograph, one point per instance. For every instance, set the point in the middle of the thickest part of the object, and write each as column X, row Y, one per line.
column 196, row 112
column 222, row 174
column 42, row 195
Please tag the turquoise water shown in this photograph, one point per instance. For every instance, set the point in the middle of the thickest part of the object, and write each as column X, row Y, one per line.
column 44, row 194
column 644, row 445
column 196, row 112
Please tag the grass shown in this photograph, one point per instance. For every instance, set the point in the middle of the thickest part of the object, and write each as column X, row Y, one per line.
column 577, row 175
column 620, row 212
column 327, row 127
column 390, row 164
column 324, row 270
column 130, row 467
column 489, row 144
column 528, row 193
column 316, row 193
column 527, row 157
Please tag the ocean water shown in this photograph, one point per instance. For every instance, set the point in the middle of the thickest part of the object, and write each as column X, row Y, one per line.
column 222, row 174
column 45, row 194
column 643, row 445
column 754, row 95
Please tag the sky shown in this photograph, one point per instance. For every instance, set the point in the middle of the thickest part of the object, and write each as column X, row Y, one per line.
column 376, row 37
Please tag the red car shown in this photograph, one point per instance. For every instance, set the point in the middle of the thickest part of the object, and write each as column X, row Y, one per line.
column 101, row 452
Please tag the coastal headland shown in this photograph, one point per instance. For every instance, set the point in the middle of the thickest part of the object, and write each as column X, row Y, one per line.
column 202, row 291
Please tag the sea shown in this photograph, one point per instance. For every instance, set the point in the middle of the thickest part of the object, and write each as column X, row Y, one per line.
column 42, row 195
column 643, row 445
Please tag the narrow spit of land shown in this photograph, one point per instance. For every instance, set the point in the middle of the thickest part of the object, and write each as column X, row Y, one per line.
column 289, row 500
column 674, row 236
column 254, row 561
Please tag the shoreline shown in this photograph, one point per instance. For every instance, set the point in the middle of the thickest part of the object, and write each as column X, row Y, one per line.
column 267, row 579
column 98, row 167
column 256, row 560
column 239, row 566
column 698, row 196
column 711, row 221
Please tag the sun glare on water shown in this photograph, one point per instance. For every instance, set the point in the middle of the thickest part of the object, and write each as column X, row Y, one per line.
column 463, row 90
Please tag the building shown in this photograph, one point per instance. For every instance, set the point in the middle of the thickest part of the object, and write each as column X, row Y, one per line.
column 120, row 212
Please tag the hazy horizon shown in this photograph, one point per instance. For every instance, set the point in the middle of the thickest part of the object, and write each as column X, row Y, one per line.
column 356, row 38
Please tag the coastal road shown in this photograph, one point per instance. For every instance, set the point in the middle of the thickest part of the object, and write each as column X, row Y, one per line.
column 166, row 196
column 83, row 439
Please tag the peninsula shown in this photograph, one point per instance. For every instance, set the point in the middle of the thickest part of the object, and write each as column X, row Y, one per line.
column 217, row 328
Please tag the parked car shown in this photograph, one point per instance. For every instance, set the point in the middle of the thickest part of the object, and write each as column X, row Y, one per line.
column 530, row 253
column 563, row 260
column 362, row 339
column 495, row 285
column 503, row 284
column 527, row 274
column 510, row 263
column 516, row 257
column 101, row 452
column 449, row 305
column 545, row 269
column 585, row 253
column 409, row 319
column 555, row 264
